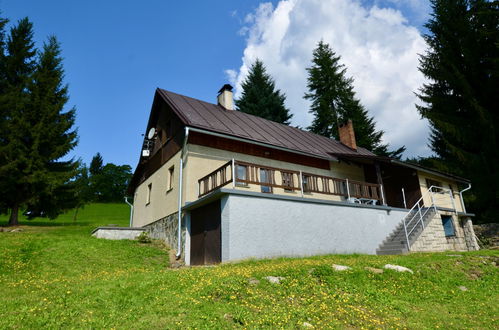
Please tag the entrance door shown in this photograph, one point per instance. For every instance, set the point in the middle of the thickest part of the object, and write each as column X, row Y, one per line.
column 206, row 247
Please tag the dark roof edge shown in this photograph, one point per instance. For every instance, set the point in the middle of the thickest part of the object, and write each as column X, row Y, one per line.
column 430, row 171
column 172, row 105
column 236, row 138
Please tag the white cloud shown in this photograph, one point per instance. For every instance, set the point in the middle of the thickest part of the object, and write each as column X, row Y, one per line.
column 376, row 44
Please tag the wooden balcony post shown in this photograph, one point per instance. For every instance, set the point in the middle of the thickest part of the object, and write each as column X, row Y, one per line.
column 233, row 174
column 301, row 183
column 382, row 194
column 348, row 189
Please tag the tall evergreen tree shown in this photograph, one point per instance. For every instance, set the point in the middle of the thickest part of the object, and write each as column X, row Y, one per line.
column 333, row 102
column 461, row 97
column 261, row 98
column 96, row 164
column 38, row 133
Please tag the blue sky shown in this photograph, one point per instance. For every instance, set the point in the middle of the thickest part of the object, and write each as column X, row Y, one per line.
column 117, row 52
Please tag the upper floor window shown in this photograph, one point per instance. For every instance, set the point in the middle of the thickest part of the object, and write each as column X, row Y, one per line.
column 437, row 185
column 287, row 180
column 266, row 177
column 241, row 172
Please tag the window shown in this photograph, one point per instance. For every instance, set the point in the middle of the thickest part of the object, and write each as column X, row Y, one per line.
column 171, row 171
column 265, row 177
column 310, row 183
column 448, row 225
column 305, row 180
column 287, row 181
column 149, row 190
column 241, row 174
column 430, row 182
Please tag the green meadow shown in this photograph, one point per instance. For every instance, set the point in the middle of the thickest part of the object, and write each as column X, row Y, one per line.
column 53, row 274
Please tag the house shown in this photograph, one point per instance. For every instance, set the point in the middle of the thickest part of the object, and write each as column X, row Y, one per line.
column 247, row 187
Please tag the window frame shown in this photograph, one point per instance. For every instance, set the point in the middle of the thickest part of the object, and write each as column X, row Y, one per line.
column 149, row 193
column 268, row 177
column 287, row 181
column 171, row 174
column 448, row 223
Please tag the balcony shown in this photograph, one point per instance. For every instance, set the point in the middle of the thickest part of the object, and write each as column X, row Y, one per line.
column 244, row 175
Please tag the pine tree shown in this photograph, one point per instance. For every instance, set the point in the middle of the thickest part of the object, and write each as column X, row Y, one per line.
column 260, row 97
column 333, row 102
column 96, row 164
column 38, row 133
column 462, row 64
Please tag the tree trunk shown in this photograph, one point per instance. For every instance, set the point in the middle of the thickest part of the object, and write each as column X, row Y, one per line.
column 76, row 214
column 14, row 216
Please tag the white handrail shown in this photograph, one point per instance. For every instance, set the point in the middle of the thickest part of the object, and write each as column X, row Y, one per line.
column 418, row 215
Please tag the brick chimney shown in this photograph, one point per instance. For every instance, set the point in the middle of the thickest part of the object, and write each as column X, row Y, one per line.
column 225, row 97
column 347, row 134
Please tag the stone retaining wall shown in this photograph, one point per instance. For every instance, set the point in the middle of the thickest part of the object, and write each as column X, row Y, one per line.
column 166, row 229
column 433, row 238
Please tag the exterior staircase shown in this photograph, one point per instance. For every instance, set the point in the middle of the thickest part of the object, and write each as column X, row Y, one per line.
column 396, row 242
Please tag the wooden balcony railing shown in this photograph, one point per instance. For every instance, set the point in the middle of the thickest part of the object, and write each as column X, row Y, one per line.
column 265, row 176
column 216, row 179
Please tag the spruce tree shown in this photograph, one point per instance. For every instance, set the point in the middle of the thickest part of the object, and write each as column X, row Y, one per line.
column 261, row 98
column 461, row 97
column 38, row 132
column 334, row 101
column 96, row 164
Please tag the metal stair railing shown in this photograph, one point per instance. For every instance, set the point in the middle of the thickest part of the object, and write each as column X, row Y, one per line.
column 418, row 212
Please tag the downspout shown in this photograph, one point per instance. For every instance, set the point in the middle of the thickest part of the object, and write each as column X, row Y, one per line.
column 131, row 210
column 179, row 221
column 461, row 195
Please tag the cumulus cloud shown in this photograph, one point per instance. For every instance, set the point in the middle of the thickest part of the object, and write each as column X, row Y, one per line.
column 377, row 45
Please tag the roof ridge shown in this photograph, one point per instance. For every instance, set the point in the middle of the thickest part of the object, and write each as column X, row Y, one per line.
column 322, row 144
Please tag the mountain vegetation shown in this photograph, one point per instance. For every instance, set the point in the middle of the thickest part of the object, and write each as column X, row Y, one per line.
column 461, row 96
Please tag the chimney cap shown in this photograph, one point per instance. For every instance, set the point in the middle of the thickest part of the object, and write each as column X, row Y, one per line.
column 226, row 87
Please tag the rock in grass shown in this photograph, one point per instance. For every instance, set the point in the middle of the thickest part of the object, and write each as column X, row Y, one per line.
column 274, row 279
column 463, row 288
column 374, row 270
column 398, row 268
column 341, row 268
column 253, row 281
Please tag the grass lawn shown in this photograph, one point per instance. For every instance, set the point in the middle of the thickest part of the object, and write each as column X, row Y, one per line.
column 53, row 274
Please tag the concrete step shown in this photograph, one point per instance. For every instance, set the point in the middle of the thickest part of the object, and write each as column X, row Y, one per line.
column 390, row 252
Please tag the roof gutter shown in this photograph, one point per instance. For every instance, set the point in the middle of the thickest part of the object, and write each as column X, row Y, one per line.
column 230, row 137
column 461, row 195
column 180, row 180
column 422, row 169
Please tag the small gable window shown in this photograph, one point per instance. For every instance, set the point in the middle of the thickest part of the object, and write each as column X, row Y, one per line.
column 448, row 225
column 171, row 172
column 149, row 190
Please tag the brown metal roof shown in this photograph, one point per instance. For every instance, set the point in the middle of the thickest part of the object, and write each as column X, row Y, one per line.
column 215, row 118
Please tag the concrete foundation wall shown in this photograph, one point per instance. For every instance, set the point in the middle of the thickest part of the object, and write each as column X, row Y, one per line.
column 266, row 227
column 117, row 233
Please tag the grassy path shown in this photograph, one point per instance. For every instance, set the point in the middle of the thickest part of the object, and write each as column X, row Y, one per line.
column 54, row 275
